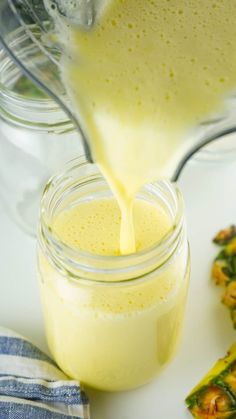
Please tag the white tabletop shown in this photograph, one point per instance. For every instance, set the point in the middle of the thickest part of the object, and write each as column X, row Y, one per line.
column 209, row 192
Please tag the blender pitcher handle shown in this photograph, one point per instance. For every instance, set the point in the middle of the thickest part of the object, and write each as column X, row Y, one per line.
column 36, row 58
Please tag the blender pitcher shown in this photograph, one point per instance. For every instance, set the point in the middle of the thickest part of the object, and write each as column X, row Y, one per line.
column 39, row 58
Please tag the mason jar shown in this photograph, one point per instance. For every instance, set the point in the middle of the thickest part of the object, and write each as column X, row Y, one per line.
column 112, row 322
column 36, row 138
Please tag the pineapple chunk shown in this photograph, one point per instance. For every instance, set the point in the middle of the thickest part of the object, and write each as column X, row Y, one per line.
column 226, row 235
column 218, row 274
column 229, row 297
column 224, row 268
column 215, row 396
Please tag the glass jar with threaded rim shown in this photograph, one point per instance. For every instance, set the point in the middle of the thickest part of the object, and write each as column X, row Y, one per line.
column 113, row 322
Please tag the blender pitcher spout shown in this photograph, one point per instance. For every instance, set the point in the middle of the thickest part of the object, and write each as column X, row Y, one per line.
column 28, row 23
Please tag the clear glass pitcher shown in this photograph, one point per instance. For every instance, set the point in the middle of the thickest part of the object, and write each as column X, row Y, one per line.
column 36, row 138
column 38, row 54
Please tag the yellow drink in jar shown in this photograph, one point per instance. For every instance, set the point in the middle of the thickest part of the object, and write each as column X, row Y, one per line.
column 112, row 321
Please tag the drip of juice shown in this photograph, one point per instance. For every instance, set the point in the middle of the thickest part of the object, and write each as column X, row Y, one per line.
column 141, row 79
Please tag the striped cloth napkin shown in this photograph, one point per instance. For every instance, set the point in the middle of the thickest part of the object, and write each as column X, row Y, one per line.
column 32, row 386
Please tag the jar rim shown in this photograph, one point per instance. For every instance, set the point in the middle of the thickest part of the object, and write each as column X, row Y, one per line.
column 63, row 254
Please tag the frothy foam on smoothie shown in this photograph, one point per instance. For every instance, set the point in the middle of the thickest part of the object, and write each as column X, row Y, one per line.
column 94, row 226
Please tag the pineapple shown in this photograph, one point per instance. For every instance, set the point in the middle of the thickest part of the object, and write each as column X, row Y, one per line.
column 215, row 396
column 226, row 235
column 224, row 268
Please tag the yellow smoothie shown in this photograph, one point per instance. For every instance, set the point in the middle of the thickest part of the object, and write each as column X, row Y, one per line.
column 113, row 335
column 141, row 78
column 94, row 226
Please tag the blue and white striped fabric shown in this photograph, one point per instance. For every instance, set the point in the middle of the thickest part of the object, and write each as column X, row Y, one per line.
column 32, row 386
